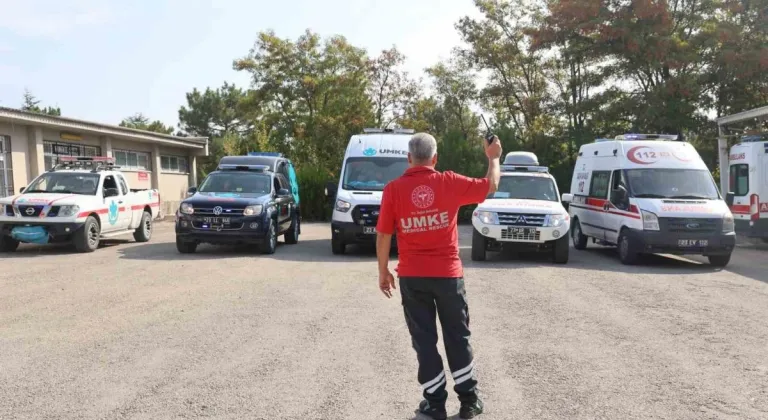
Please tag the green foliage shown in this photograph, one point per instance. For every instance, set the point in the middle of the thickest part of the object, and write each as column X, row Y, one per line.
column 312, row 182
column 141, row 122
column 30, row 104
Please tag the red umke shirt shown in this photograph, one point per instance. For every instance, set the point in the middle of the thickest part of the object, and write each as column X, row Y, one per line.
column 421, row 208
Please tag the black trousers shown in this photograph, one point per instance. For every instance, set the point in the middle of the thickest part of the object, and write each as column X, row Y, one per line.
column 424, row 298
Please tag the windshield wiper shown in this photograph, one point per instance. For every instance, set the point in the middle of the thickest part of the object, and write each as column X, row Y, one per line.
column 692, row 197
column 36, row 191
column 650, row 196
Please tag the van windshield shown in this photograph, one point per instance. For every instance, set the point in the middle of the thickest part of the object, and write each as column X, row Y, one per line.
column 672, row 183
column 372, row 173
column 526, row 188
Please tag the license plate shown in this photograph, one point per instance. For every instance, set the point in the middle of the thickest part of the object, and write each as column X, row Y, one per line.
column 216, row 220
column 692, row 243
column 521, row 231
column 369, row 230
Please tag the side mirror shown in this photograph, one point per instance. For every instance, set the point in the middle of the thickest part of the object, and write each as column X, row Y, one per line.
column 111, row 192
column 331, row 188
column 729, row 199
column 191, row 190
column 567, row 198
column 283, row 193
column 21, row 190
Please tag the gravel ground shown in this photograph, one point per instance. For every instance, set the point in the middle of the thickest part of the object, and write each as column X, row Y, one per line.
column 139, row 331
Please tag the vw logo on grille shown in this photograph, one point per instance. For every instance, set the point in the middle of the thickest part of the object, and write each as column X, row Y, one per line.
column 217, row 210
column 30, row 211
column 693, row 225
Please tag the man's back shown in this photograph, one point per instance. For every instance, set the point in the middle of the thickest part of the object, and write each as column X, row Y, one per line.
column 423, row 204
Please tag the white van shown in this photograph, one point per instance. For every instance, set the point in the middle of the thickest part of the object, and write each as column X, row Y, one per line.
column 371, row 160
column 648, row 193
column 524, row 214
column 748, row 189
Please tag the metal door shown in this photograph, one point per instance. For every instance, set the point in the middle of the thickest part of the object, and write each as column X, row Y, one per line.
column 6, row 167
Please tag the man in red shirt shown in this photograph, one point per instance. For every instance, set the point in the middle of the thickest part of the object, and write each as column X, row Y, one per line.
column 421, row 207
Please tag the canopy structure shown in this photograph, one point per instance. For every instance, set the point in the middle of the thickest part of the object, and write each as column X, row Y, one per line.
column 723, row 124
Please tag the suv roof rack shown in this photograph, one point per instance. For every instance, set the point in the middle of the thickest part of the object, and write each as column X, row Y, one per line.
column 520, row 168
column 270, row 154
column 254, row 168
column 94, row 163
column 389, row 130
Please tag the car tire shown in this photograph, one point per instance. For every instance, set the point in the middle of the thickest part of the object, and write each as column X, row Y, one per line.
column 479, row 246
column 626, row 249
column 561, row 250
column 337, row 246
column 185, row 247
column 143, row 233
column 269, row 246
column 8, row 244
column 719, row 260
column 579, row 240
column 88, row 237
column 292, row 235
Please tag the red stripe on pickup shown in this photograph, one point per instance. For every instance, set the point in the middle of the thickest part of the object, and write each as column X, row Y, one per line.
column 86, row 213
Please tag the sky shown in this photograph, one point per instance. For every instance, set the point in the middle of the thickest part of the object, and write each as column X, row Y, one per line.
column 104, row 60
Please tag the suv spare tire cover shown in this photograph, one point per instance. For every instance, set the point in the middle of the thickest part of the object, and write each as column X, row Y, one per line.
column 294, row 182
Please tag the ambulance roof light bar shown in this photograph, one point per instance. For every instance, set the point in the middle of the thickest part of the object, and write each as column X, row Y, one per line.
column 633, row 136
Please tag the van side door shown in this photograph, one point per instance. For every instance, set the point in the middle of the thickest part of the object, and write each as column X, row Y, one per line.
column 618, row 200
column 739, row 181
column 597, row 201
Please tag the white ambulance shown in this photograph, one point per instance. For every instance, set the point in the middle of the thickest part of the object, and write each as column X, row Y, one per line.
column 525, row 212
column 371, row 160
column 648, row 193
column 748, row 186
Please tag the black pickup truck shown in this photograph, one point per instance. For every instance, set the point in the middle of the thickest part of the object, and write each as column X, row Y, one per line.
column 239, row 203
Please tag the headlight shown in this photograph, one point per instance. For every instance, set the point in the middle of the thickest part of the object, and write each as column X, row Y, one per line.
column 650, row 220
column 488, row 217
column 555, row 220
column 728, row 223
column 253, row 210
column 186, row 208
column 343, row 206
column 68, row 211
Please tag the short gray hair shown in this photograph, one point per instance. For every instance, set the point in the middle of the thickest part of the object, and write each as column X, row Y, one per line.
column 422, row 147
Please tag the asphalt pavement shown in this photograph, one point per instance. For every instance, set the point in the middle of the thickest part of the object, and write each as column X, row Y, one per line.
column 139, row 331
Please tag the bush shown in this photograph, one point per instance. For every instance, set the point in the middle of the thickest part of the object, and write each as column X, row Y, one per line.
column 315, row 206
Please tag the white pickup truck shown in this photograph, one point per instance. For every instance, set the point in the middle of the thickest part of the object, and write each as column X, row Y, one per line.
column 524, row 214
column 81, row 200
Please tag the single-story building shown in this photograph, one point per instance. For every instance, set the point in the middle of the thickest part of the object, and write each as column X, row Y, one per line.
column 31, row 143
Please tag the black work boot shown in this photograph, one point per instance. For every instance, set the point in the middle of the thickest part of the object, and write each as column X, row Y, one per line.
column 437, row 413
column 470, row 410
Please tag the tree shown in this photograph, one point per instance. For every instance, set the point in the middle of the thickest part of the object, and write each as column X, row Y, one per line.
column 499, row 45
column 216, row 113
column 390, row 89
column 140, row 122
column 30, row 104
column 313, row 94
column 454, row 85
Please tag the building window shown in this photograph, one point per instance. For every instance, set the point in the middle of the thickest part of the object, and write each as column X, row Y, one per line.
column 6, row 167
column 53, row 150
column 175, row 164
column 126, row 159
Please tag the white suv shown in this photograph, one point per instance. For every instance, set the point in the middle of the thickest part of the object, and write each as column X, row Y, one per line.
column 525, row 212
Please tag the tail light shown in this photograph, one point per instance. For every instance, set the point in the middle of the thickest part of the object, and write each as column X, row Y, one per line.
column 754, row 207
